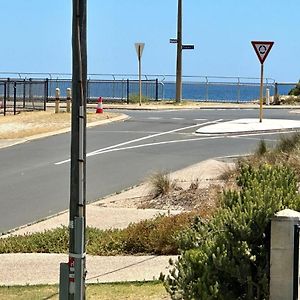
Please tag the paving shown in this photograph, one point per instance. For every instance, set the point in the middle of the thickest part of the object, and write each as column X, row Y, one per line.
column 33, row 268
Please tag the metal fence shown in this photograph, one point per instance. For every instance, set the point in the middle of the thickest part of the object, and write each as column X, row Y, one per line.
column 122, row 90
column 20, row 95
column 217, row 89
column 283, row 89
column 124, row 87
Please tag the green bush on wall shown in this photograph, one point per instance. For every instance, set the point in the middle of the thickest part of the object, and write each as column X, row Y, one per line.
column 228, row 257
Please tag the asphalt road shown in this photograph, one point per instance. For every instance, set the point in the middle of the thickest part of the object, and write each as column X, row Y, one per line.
column 34, row 177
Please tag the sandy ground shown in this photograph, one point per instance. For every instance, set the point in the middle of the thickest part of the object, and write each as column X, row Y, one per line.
column 27, row 124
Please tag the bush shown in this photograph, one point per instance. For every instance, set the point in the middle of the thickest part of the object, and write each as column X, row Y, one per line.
column 261, row 148
column 288, row 143
column 161, row 184
column 155, row 236
column 228, row 257
column 296, row 90
column 135, row 99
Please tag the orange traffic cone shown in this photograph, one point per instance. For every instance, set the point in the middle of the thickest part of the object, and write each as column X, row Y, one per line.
column 99, row 106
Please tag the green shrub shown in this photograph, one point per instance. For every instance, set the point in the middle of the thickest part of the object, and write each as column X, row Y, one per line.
column 155, row 236
column 49, row 241
column 261, row 148
column 228, row 257
column 296, row 90
column 135, row 98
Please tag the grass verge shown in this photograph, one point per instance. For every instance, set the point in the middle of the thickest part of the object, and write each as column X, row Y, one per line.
column 128, row 291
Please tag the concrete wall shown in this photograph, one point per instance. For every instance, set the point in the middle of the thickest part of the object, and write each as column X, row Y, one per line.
column 282, row 255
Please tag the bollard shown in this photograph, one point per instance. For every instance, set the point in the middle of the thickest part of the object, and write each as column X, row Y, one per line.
column 69, row 95
column 284, row 258
column 267, row 96
column 57, row 95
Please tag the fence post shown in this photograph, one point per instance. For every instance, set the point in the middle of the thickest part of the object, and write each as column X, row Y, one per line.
column 15, row 97
column 8, row 87
column 156, row 89
column 127, row 91
column 68, row 100
column 276, row 96
column 239, row 91
column 30, row 90
column 57, row 95
column 24, row 92
column 46, row 93
column 284, row 265
column 88, row 82
column 206, row 96
column 4, row 100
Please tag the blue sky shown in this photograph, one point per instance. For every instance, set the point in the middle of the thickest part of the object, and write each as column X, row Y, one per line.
column 36, row 36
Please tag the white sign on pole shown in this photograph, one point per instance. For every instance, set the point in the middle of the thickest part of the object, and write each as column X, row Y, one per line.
column 262, row 49
column 139, row 47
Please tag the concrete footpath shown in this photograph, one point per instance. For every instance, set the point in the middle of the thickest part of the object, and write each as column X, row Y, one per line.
column 32, row 269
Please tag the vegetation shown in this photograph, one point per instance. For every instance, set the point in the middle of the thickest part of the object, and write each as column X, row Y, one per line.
column 161, row 184
column 224, row 255
column 262, row 148
column 135, row 98
column 228, row 257
column 296, row 90
column 116, row 291
column 155, row 236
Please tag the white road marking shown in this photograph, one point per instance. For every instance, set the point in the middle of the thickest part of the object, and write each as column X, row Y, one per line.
column 154, row 118
column 140, row 139
column 156, row 144
column 263, row 133
column 200, row 119
column 177, row 118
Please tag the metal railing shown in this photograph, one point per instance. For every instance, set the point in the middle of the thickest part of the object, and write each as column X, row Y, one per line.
column 282, row 88
column 22, row 94
column 122, row 87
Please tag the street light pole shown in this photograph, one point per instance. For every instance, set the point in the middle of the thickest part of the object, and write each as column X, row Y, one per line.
column 77, row 225
column 179, row 54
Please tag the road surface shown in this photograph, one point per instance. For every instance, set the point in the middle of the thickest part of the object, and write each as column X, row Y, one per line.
column 34, row 177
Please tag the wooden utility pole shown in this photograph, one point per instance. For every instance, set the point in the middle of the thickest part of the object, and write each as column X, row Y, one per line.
column 77, row 225
column 179, row 54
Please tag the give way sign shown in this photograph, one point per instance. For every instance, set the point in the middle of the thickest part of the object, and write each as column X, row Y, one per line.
column 262, row 49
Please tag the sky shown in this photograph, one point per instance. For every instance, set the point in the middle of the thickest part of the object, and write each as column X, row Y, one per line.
column 36, row 37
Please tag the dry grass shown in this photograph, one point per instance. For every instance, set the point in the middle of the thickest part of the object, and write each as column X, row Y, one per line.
column 27, row 124
column 161, row 184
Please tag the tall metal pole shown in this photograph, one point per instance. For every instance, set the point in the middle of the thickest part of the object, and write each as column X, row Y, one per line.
column 77, row 223
column 261, row 92
column 140, row 73
column 179, row 54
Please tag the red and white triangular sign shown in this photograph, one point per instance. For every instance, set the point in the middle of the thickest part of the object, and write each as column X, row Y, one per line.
column 262, row 49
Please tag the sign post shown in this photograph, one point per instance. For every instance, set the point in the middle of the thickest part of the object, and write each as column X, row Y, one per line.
column 139, row 47
column 180, row 47
column 262, row 49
